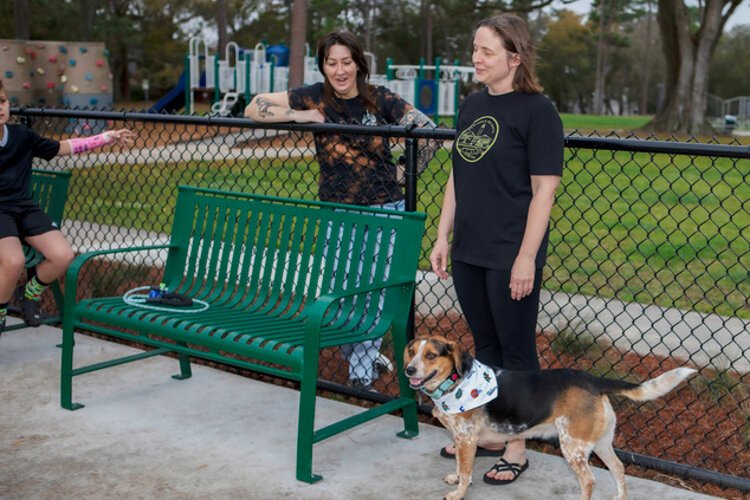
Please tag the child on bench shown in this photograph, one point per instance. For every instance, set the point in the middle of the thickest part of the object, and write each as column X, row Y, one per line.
column 21, row 219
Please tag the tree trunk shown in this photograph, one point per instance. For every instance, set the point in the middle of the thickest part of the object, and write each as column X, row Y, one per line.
column 297, row 43
column 646, row 80
column 21, row 26
column 221, row 27
column 600, row 63
column 688, row 58
column 88, row 12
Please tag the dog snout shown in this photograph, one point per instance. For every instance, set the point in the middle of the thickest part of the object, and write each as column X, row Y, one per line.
column 411, row 371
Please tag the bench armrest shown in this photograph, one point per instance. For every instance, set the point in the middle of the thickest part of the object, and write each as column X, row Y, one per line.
column 316, row 314
column 71, row 276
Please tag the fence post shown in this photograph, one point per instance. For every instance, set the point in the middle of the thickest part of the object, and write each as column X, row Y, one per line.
column 410, row 178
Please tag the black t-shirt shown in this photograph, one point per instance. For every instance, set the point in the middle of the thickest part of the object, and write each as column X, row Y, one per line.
column 354, row 169
column 15, row 161
column 501, row 141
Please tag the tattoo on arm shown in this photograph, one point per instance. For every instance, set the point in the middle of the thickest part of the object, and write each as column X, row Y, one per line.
column 264, row 106
column 427, row 147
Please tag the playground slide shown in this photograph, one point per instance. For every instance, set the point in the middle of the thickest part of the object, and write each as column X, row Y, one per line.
column 174, row 100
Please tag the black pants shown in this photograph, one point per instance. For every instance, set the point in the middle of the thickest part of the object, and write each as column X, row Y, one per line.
column 504, row 329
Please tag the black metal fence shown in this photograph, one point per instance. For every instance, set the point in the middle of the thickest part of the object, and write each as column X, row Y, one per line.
column 647, row 270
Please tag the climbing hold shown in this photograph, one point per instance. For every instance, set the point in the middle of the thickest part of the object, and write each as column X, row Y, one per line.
column 72, row 62
column 74, row 89
column 53, row 58
column 100, row 62
column 103, row 87
column 26, row 85
column 20, row 59
column 40, row 71
column 94, row 101
column 83, row 50
column 64, row 79
column 63, row 49
column 89, row 76
column 8, row 74
column 50, row 85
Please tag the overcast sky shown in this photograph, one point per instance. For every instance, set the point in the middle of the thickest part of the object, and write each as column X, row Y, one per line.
column 740, row 16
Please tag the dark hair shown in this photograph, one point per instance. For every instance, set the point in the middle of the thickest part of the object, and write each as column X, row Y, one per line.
column 515, row 37
column 1, row 85
column 349, row 40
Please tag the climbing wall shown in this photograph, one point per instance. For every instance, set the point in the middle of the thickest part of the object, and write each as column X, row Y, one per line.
column 53, row 73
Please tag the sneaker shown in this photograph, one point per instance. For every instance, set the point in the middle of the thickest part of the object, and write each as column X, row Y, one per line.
column 29, row 308
column 382, row 364
column 360, row 384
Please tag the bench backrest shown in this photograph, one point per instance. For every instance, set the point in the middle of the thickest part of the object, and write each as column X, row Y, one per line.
column 49, row 189
column 276, row 254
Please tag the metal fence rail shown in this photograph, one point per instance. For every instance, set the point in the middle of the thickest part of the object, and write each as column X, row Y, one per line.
column 647, row 270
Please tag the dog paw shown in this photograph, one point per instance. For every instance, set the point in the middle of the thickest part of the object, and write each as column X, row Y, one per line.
column 451, row 479
column 453, row 495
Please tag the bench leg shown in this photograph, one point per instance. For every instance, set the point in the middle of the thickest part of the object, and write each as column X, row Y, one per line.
column 57, row 294
column 411, row 423
column 306, row 420
column 66, row 370
column 185, row 371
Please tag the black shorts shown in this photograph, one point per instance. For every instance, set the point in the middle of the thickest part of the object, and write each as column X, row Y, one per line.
column 23, row 219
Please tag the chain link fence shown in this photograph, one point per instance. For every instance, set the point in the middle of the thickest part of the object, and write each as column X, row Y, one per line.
column 647, row 269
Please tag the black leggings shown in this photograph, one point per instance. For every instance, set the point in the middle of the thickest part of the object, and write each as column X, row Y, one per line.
column 504, row 329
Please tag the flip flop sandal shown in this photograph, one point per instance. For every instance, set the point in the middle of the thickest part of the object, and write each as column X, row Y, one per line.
column 504, row 466
column 481, row 452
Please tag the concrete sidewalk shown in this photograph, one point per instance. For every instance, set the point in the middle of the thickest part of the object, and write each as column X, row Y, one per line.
column 215, row 436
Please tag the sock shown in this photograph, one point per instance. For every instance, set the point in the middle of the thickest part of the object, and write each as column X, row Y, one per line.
column 34, row 289
column 3, row 312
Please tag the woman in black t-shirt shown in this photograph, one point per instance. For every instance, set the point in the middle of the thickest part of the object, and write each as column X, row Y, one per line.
column 507, row 164
column 354, row 169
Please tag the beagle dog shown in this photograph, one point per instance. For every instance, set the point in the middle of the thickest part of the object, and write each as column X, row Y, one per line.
column 478, row 403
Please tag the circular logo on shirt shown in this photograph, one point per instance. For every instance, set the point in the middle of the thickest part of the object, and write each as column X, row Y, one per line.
column 477, row 139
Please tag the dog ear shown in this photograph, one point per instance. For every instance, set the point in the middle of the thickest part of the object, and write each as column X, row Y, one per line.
column 462, row 360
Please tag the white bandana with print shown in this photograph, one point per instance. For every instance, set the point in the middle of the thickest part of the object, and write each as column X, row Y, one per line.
column 478, row 387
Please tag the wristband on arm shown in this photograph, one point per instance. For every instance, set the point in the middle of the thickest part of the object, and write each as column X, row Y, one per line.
column 83, row 144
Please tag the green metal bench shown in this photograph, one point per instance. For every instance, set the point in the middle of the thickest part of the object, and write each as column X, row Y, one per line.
column 50, row 190
column 275, row 275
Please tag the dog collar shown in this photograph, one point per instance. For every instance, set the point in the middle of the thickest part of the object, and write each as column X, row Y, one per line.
column 443, row 387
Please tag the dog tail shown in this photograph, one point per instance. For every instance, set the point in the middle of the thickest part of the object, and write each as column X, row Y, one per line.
column 657, row 387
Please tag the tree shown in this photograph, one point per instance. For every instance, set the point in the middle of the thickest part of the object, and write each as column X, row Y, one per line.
column 297, row 43
column 21, row 25
column 731, row 64
column 565, row 69
column 689, row 38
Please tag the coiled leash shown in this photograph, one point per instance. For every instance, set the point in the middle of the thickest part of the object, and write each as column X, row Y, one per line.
column 159, row 297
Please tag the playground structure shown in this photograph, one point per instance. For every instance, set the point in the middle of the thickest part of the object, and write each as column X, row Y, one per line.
column 244, row 73
column 56, row 73
column 241, row 74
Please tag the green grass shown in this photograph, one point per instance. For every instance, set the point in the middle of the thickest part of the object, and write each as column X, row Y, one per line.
column 655, row 229
column 603, row 122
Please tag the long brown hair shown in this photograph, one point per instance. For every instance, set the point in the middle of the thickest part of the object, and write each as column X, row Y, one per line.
column 349, row 40
column 516, row 39
column 1, row 85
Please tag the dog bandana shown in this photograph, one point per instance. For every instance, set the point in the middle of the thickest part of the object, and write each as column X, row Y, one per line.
column 478, row 387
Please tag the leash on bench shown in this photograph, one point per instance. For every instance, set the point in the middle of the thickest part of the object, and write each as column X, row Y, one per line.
column 159, row 295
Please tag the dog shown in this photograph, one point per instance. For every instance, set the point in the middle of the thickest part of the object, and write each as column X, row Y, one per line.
column 501, row 405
